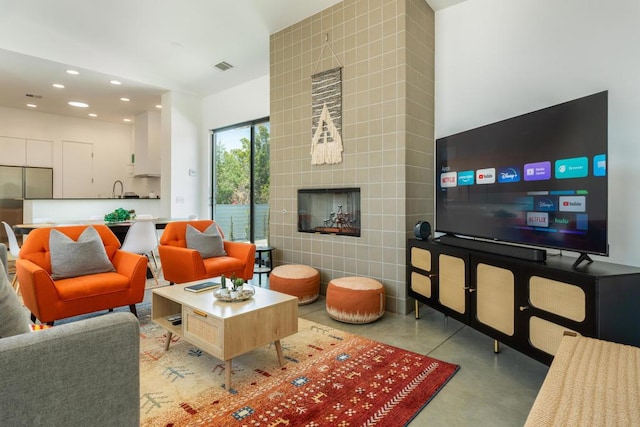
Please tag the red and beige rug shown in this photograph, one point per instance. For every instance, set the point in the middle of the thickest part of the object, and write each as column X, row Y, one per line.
column 331, row 378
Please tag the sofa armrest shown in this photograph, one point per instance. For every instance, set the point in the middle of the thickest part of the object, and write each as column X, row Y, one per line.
column 244, row 251
column 133, row 266
column 37, row 288
column 180, row 265
column 77, row 374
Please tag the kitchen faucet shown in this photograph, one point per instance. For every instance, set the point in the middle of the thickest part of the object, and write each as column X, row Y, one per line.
column 113, row 190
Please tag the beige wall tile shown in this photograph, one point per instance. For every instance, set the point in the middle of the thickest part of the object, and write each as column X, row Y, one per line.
column 387, row 59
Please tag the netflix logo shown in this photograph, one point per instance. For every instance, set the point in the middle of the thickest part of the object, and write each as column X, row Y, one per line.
column 449, row 179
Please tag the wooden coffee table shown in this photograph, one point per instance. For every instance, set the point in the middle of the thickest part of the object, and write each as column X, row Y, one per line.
column 226, row 329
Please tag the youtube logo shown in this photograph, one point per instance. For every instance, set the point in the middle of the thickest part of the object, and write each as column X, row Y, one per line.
column 572, row 204
column 486, row 176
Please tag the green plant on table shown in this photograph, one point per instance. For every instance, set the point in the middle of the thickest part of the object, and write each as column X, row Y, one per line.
column 236, row 283
column 119, row 215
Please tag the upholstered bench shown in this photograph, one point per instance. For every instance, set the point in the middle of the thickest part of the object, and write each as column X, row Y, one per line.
column 297, row 280
column 355, row 299
column 590, row 382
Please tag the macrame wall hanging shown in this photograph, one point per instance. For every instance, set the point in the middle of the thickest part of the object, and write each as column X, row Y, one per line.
column 326, row 114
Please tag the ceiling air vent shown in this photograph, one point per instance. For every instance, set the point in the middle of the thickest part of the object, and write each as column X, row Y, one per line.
column 223, row 66
column 31, row 95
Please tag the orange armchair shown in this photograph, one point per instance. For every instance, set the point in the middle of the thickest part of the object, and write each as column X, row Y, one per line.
column 181, row 264
column 50, row 300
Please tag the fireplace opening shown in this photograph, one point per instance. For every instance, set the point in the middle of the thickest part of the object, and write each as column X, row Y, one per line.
column 329, row 211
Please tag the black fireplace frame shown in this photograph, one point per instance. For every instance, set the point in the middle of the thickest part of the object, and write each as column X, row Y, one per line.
column 329, row 211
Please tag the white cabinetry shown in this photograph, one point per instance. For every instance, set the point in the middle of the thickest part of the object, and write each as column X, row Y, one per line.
column 39, row 153
column 26, row 152
column 147, row 144
column 13, row 151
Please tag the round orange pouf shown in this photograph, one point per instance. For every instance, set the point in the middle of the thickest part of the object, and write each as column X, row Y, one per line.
column 355, row 299
column 298, row 280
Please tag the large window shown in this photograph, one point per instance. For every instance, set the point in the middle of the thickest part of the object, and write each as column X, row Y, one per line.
column 240, row 187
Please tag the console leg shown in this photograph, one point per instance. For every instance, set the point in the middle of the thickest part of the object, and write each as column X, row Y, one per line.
column 417, row 310
column 496, row 346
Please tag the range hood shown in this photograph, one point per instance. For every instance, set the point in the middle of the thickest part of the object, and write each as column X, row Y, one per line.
column 147, row 145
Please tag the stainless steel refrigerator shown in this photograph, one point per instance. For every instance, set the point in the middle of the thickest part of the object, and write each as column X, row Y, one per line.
column 18, row 183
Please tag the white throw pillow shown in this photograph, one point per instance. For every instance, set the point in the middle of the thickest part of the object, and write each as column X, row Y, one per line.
column 71, row 258
column 209, row 242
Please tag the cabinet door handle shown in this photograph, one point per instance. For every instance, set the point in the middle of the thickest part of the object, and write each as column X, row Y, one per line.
column 470, row 289
column 200, row 313
column 523, row 307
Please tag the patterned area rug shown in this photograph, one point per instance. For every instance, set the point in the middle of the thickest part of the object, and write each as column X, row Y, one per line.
column 331, row 378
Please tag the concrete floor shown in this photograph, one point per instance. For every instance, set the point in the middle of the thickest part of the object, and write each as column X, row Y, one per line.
column 489, row 389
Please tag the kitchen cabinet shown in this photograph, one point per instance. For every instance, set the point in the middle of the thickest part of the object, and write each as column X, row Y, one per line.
column 13, row 151
column 39, row 153
column 26, row 152
column 525, row 304
column 147, row 144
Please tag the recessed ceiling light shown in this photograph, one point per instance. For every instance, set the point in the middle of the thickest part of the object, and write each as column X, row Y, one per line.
column 125, row 99
column 32, row 105
column 78, row 104
column 58, row 85
column 73, row 72
column 93, row 115
column 115, row 82
column 126, row 120
column 158, row 106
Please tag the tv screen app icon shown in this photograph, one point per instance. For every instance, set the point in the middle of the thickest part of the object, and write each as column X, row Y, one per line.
column 448, row 179
column 577, row 167
column 486, row 176
column 466, row 178
column 537, row 171
column 538, row 219
column 508, row 174
column 600, row 165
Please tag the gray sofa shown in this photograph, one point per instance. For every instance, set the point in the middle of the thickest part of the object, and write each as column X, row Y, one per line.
column 84, row 373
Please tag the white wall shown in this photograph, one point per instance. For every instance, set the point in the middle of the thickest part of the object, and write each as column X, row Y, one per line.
column 181, row 152
column 242, row 103
column 496, row 59
column 112, row 144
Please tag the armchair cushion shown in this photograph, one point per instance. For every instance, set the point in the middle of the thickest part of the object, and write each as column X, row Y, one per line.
column 208, row 242
column 14, row 319
column 71, row 258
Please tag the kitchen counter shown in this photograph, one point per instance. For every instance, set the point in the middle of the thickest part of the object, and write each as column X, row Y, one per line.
column 61, row 210
column 97, row 198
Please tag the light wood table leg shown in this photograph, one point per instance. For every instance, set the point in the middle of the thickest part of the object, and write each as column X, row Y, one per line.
column 227, row 374
column 279, row 351
column 169, row 336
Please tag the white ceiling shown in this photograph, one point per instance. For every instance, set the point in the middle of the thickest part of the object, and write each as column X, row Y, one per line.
column 151, row 46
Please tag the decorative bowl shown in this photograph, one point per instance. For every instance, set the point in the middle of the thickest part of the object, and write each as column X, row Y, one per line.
column 227, row 295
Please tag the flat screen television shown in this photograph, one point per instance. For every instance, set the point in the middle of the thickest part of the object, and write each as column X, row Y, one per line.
column 538, row 179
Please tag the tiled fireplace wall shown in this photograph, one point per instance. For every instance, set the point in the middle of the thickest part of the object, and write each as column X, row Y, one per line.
column 386, row 48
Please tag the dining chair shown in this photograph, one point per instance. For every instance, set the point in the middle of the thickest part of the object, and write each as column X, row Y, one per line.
column 141, row 238
column 15, row 251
